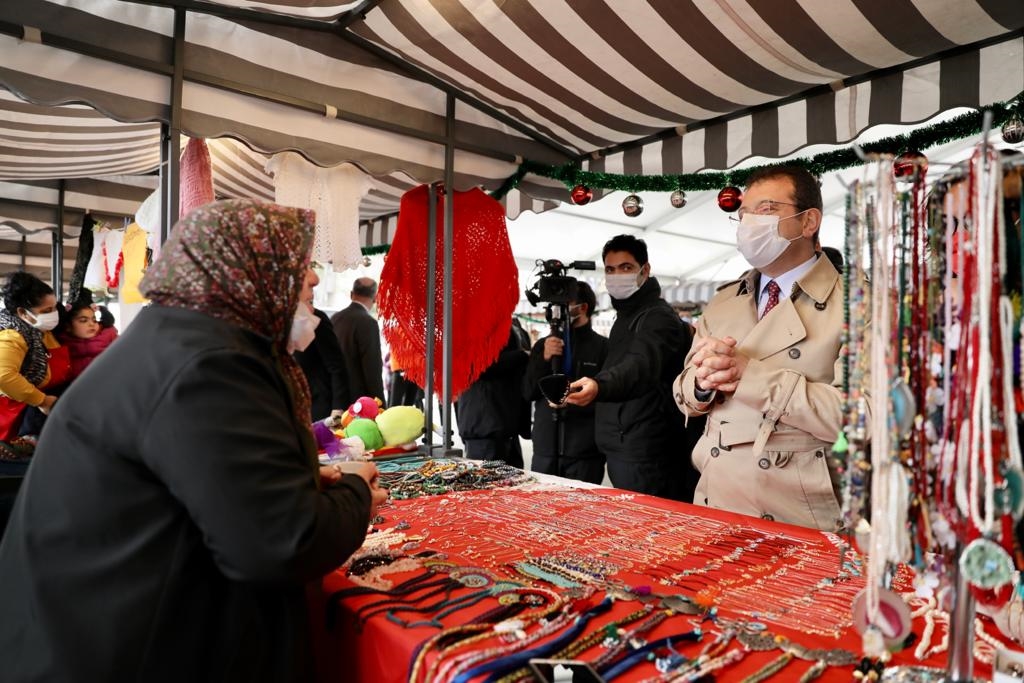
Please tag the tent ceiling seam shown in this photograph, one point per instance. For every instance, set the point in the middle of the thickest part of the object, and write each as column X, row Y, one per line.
column 803, row 95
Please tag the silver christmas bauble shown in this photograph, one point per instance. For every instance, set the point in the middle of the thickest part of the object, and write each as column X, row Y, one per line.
column 1013, row 130
column 633, row 206
column 678, row 199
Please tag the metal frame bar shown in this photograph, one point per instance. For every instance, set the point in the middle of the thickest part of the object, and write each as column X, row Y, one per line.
column 431, row 286
column 57, row 253
column 170, row 134
column 448, row 242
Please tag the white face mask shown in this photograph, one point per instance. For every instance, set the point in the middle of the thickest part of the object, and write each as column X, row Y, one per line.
column 43, row 321
column 621, row 286
column 303, row 329
column 758, row 239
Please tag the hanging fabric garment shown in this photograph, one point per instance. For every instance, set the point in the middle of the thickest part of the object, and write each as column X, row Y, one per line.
column 196, row 185
column 134, row 251
column 334, row 194
column 82, row 258
column 485, row 287
column 103, row 273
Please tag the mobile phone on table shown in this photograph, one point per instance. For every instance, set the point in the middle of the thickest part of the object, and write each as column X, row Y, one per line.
column 552, row 670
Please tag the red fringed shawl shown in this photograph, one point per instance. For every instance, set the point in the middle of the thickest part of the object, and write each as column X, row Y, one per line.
column 485, row 287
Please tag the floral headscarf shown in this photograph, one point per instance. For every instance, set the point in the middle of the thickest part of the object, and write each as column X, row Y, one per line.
column 243, row 262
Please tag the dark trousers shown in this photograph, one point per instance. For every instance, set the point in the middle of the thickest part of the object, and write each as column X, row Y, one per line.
column 505, row 448
column 663, row 477
column 581, row 469
column 403, row 392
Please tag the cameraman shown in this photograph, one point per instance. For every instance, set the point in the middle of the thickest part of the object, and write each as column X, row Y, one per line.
column 563, row 438
column 646, row 445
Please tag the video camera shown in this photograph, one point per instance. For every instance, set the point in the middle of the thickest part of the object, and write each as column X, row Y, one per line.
column 553, row 285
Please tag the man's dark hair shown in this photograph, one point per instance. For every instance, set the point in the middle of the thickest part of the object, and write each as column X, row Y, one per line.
column 835, row 256
column 585, row 295
column 806, row 188
column 636, row 247
column 365, row 287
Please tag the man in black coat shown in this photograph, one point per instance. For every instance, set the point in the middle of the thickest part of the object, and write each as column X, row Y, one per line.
column 359, row 336
column 323, row 364
column 490, row 412
column 639, row 430
column 563, row 438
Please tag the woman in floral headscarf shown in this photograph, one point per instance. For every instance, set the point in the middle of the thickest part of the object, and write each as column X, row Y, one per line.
column 174, row 509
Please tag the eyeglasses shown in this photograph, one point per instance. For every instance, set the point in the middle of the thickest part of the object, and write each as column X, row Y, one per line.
column 764, row 207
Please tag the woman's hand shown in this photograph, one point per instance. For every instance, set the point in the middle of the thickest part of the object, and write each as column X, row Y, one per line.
column 47, row 405
column 331, row 474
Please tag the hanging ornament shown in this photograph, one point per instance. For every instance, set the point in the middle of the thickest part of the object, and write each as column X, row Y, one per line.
column 632, row 206
column 581, row 194
column 678, row 199
column 908, row 164
column 1013, row 130
column 730, row 198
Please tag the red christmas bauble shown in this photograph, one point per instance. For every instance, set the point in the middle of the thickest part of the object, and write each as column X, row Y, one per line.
column 581, row 194
column 908, row 164
column 730, row 198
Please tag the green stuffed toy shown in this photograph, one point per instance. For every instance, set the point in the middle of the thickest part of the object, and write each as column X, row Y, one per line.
column 400, row 424
column 366, row 430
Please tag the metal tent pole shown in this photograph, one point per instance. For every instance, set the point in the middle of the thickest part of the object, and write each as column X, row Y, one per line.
column 446, row 333
column 428, row 402
column 57, row 254
column 170, row 135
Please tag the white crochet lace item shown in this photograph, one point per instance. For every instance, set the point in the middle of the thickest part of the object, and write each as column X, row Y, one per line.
column 334, row 194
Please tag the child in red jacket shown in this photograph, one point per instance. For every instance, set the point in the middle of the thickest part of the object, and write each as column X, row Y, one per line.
column 84, row 336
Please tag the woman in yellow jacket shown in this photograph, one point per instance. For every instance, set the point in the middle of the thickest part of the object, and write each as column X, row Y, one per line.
column 32, row 362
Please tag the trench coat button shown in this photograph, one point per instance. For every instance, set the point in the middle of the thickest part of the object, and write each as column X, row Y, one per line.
column 820, row 305
column 819, row 454
column 768, row 517
column 714, row 452
column 764, row 463
column 705, row 501
column 794, row 353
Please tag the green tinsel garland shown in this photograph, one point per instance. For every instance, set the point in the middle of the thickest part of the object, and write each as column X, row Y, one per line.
column 376, row 249
column 958, row 128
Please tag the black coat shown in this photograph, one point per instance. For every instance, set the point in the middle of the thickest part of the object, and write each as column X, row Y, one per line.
column 323, row 363
column 359, row 336
column 171, row 518
column 589, row 350
column 637, row 420
column 492, row 406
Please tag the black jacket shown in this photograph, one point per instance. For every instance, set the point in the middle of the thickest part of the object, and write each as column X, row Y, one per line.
column 171, row 517
column 636, row 415
column 359, row 336
column 492, row 405
column 589, row 350
column 323, row 363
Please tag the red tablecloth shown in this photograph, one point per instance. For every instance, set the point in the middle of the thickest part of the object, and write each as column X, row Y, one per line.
column 789, row 583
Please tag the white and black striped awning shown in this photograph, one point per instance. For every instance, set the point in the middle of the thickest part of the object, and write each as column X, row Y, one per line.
column 651, row 87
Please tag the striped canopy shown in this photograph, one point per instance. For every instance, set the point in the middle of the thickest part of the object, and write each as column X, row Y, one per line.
column 652, row 87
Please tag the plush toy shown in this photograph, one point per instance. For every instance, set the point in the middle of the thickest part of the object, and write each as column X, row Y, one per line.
column 366, row 430
column 400, row 424
column 365, row 407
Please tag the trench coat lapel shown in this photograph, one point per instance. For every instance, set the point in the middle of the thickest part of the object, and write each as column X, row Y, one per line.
column 778, row 330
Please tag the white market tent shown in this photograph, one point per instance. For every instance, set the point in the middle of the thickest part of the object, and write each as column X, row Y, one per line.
column 659, row 87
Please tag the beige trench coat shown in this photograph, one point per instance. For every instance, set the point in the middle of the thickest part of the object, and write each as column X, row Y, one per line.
column 766, row 448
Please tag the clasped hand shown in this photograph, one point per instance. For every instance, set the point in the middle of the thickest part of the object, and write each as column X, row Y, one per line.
column 719, row 366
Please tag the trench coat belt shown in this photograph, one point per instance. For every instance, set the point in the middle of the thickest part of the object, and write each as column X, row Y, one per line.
column 724, row 436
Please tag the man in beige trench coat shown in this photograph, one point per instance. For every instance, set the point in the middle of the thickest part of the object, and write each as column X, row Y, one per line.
column 765, row 365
